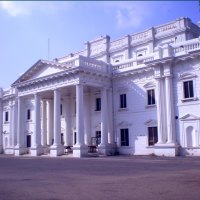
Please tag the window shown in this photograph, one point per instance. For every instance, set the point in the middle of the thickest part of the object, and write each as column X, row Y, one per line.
column 98, row 104
column 6, row 116
column 61, row 109
column 98, row 137
column 151, row 97
column 188, row 89
column 28, row 114
column 124, row 137
column 122, row 100
column 75, row 139
column 153, row 135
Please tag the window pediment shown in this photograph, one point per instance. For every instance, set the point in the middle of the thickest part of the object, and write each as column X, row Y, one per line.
column 151, row 123
column 189, row 117
column 187, row 76
column 124, row 124
column 149, row 85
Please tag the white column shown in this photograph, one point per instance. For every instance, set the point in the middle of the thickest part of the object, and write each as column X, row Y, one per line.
column 104, row 114
column 79, row 115
column 44, row 123
column 170, row 110
column 57, row 119
column 20, row 135
column 57, row 149
column 13, row 124
column 160, row 113
column 49, row 121
column 87, row 132
column 66, row 110
column 1, row 126
column 37, row 129
column 110, row 118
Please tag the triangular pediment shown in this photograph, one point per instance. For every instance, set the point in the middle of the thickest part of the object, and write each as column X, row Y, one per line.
column 124, row 124
column 151, row 122
column 189, row 117
column 40, row 69
column 186, row 76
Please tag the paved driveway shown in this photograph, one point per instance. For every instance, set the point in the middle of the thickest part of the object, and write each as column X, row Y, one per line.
column 104, row 178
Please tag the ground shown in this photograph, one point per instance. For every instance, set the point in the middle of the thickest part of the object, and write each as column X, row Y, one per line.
column 101, row 178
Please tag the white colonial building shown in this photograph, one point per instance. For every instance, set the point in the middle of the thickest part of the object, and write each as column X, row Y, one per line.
column 136, row 95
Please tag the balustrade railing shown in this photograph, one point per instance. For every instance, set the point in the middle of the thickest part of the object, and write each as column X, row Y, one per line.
column 187, row 46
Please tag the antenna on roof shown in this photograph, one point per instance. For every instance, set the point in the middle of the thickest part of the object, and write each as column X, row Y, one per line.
column 48, row 49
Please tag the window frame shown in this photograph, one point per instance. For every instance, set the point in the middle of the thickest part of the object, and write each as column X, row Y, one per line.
column 6, row 116
column 152, row 97
column 28, row 116
column 154, row 137
column 123, row 101
column 124, row 137
column 98, row 104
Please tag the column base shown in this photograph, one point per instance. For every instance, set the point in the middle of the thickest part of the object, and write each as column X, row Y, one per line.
column 106, row 150
column 20, row 150
column 9, row 150
column 80, row 151
column 168, row 149
column 56, row 150
column 36, row 151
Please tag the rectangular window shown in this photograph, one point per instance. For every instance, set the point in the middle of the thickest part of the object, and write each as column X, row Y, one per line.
column 122, row 100
column 188, row 89
column 124, row 137
column 98, row 104
column 6, row 116
column 98, row 137
column 60, row 109
column 153, row 135
column 28, row 114
column 75, row 139
column 151, row 97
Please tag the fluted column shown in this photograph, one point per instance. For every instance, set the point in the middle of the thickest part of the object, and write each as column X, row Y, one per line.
column 49, row 121
column 44, row 123
column 169, row 110
column 57, row 149
column 36, row 148
column 13, row 124
column 110, row 118
column 79, row 148
column 160, row 117
column 1, row 126
column 104, row 114
column 19, row 148
column 57, row 120
column 79, row 115
column 67, row 121
column 87, row 132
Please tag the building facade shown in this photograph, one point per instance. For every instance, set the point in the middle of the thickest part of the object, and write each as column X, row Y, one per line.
column 136, row 95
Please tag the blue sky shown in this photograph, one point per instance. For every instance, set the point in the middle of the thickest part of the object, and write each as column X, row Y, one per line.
column 26, row 27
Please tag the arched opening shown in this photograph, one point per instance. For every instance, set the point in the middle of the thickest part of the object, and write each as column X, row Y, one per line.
column 190, row 136
column 6, row 142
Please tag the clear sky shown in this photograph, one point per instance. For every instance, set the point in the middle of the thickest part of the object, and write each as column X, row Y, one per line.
column 26, row 27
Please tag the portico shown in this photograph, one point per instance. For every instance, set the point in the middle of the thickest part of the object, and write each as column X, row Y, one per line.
column 52, row 110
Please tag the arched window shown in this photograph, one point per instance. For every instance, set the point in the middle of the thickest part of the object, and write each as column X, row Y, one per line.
column 190, row 136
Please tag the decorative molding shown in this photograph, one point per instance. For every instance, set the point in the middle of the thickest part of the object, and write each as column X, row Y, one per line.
column 187, row 76
column 151, row 123
column 149, row 85
column 189, row 117
column 124, row 124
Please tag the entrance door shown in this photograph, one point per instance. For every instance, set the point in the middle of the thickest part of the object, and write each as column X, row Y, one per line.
column 98, row 137
column 28, row 140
